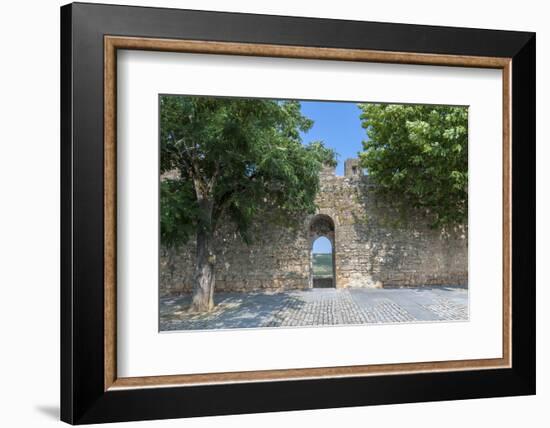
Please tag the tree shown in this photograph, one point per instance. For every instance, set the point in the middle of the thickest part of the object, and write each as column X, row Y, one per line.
column 231, row 159
column 418, row 155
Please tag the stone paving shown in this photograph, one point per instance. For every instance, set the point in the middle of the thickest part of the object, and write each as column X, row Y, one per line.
column 318, row 307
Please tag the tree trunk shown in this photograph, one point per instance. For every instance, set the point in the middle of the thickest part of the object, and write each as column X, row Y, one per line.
column 204, row 278
column 205, row 260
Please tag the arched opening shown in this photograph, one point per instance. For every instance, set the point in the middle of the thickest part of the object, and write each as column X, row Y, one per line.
column 322, row 252
column 322, row 264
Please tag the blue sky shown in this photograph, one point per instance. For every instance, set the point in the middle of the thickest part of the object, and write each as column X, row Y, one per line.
column 322, row 245
column 337, row 124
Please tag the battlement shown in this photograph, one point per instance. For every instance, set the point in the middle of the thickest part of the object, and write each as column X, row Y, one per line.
column 352, row 168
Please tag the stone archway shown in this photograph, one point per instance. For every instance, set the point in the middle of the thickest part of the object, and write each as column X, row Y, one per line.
column 322, row 225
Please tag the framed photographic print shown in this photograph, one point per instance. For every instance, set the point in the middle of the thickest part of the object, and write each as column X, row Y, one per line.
column 265, row 213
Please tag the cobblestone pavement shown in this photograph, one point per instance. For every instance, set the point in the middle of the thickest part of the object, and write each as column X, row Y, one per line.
column 318, row 307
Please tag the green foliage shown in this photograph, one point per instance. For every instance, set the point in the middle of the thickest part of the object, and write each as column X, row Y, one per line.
column 178, row 211
column 325, row 155
column 234, row 159
column 418, row 155
column 322, row 265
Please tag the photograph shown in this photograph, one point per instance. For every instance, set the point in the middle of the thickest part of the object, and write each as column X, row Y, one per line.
column 308, row 213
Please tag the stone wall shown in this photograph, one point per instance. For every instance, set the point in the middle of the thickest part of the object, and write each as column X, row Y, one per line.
column 372, row 246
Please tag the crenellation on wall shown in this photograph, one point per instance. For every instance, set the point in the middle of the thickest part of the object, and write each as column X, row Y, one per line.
column 371, row 247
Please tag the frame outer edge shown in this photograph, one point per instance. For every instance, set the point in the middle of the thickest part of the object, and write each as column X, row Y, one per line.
column 66, row 151
column 524, row 215
column 82, row 394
